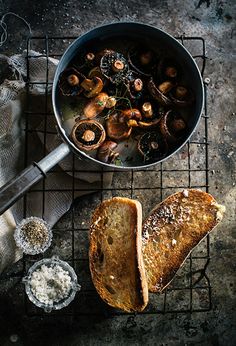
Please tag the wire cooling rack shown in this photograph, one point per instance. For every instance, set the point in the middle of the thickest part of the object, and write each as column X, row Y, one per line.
column 190, row 291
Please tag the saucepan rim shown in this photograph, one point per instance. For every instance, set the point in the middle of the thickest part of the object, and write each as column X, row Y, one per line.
column 57, row 115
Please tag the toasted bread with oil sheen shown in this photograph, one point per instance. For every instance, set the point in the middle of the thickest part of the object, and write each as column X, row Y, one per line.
column 173, row 229
column 115, row 254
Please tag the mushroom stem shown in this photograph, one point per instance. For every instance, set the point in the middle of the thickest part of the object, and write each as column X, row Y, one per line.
column 181, row 92
column 73, row 80
column 165, row 87
column 132, row 123
column 171, row 72
column 131, row 113
column 178, row 125
column 145, row 58
column 154, row 145
column 90, row 57
column 118, row 66
column 147, row 110
column 88, row 136
column 138, row 84
column 111, row 102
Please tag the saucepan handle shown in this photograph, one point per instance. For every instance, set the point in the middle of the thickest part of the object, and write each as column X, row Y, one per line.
column 19, row 185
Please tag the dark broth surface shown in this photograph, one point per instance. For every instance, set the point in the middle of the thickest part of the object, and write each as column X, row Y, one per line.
column 71, row 107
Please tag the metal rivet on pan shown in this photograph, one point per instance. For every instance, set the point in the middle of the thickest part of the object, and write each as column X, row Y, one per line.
column 14, row 338
column 207, row 80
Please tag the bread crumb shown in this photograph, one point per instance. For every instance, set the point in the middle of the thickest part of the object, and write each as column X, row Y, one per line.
column 112, row 277
column 220, row 212
column 97, row 221
column 174, row 242
column 185, row 193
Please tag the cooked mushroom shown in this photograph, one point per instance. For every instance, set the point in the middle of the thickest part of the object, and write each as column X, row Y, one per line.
column 116, row 129
column 142, row 60
column 111, row 102
column 95, row 72
column 165, row 87
column 106, row 152
column 181, row 96
column 147, row 110
column 88, row 134
column 169, row 69
column 90, row 57
column 95, row 106
column 138, row 85
column 172, row 126
column 158, row 94
column 151, row 115
column 70, row 82
column 133, row 87
column 114, row 67
column 92, row 86
column 152, row 146
column 101, row 53
column 131, row 113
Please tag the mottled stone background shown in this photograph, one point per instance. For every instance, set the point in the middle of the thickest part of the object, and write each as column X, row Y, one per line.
column 214, row 20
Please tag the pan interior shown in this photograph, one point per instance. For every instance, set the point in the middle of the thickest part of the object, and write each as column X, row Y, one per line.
column 69, row 108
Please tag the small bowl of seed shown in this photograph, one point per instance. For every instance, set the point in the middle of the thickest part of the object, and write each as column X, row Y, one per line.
column 33, row 235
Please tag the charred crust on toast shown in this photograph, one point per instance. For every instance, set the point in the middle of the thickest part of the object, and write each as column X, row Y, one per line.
column 100, row 252
column 162, row 256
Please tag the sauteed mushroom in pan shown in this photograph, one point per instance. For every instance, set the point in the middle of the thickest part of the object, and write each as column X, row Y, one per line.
column 160, row 92
column 106, row 152
column 172, row 126
column 88, row 134
column 152, row 146
column 116, row 128
column 181, row 96
column 114, row 66
column 169, row 69
column 134, row 97
column 142, row 60
column 70, row 82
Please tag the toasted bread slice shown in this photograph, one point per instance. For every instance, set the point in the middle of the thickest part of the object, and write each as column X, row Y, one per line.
column 173, row 229
column 115, row 254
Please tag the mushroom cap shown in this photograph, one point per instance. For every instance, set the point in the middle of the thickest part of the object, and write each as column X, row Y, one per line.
column 106, row 66
column 79, row 129
column 92, row 86
column 95, row 105
column 117, row 130
column 186, row 101
column 157, row 94
column 152, row 146
column 65, row 87
column 167, row 124
column 153, row 120
column 134, row 55
column 101, row 53
column 106, row 152
column 167, row 63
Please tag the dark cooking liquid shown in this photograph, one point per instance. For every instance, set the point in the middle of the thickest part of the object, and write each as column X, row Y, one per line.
column 71, row 107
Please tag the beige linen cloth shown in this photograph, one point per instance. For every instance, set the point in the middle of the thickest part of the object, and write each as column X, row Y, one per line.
column 12, row 100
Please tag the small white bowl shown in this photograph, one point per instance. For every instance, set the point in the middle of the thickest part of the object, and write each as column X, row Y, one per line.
column 26, row 247
column 50, row 262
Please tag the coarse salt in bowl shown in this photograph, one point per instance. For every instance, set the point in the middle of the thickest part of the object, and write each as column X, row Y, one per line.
column 33, row 235
column 51, row 284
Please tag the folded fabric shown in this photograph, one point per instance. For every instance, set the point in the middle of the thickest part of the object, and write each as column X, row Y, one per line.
column 12, row 148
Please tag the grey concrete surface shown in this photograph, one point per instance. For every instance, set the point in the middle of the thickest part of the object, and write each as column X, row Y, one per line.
column 214, row 20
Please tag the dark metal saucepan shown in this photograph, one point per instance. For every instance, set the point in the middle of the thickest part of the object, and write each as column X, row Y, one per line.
column 17, row 187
